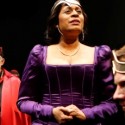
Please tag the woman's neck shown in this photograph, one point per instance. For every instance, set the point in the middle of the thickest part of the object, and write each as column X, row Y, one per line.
column 69, row 49
column 69, row 43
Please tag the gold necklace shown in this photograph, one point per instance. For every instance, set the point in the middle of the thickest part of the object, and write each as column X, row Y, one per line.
column 72, row 54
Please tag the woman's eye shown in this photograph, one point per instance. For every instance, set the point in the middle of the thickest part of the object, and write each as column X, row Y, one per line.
column 67, row 11
column 79, row 11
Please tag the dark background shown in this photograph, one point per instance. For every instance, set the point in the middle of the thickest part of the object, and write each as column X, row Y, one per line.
column 22, row 24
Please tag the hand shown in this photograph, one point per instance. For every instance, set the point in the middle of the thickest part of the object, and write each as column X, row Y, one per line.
column 75, row 112
column 61, row 114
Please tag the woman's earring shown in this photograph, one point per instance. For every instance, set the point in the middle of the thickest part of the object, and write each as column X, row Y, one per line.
column 59, row 30
column 83, row 36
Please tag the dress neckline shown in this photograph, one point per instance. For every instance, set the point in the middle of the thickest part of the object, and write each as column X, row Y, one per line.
column 66, row 65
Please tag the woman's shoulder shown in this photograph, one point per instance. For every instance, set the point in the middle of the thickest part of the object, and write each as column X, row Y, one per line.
column 104, row 47
column 104, row 51
column 37, row 49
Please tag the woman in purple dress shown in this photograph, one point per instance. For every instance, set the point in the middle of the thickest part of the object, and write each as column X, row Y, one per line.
column 67, row 82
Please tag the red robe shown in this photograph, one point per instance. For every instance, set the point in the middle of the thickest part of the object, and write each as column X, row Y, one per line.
column 10, row 115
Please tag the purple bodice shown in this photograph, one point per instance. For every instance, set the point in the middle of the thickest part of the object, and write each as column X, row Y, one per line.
column 64, row 86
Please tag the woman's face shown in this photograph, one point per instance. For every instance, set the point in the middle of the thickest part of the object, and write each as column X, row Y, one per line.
column 119, row 94
column 71, row 19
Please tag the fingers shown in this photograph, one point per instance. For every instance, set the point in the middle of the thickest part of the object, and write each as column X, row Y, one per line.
column 75, row 112
column 71, row 108
column 61, row 115
column 64, row 114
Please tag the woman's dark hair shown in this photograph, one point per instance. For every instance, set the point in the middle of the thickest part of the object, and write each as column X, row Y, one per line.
column 52, row 34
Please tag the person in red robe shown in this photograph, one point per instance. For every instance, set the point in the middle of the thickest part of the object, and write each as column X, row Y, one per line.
column 9, row 86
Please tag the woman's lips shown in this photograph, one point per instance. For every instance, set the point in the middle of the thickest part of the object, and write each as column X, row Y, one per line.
column 75, row 21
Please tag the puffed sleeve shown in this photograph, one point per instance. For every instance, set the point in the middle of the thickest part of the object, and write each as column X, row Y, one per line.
column 104, row 71
column 30, row 86
column 106, row 107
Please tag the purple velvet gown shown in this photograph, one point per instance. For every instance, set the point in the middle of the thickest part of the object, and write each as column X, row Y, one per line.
column 88, row 86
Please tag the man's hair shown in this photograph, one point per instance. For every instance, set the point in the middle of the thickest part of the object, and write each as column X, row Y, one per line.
column 15, row 72
column 1, row 51
column 120, row 53
column 119, row 60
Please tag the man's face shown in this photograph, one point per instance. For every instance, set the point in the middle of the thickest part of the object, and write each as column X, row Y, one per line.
column 1, row 61
column 119, row 79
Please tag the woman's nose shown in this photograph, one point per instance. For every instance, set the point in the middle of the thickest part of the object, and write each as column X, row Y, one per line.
column 75, row 13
